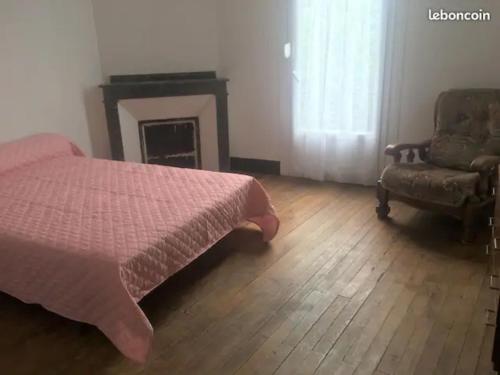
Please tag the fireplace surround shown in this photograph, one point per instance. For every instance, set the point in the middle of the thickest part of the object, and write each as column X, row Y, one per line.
column 147, row 86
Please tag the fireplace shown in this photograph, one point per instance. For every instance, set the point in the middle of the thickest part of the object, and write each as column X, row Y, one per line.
column 182, row 119
column 173, row 142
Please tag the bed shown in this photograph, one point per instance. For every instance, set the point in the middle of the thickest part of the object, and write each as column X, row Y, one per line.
column 89, row 238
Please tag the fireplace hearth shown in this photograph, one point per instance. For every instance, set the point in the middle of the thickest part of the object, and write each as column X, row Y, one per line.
column 172, row 142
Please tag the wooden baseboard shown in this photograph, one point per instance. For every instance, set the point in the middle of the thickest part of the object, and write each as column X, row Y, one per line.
column 256, row 166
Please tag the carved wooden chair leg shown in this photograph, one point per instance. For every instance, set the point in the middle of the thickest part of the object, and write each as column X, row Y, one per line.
column 383, row 208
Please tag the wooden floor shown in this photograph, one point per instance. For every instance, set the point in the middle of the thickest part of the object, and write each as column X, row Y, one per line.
column 337, row 292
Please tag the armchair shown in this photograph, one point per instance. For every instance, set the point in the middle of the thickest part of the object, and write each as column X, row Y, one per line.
column 457, row 170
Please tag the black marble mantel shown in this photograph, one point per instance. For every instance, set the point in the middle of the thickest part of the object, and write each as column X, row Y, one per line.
column 143, row 86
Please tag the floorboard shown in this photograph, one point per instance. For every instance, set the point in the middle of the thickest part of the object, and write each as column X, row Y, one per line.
column 336, row 292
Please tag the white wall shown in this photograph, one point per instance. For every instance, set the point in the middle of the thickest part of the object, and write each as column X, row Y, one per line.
column 251, row 43
column 437, row 56
column 444, row 55
column 49, row 62
column 156, row 36
column 49, row 70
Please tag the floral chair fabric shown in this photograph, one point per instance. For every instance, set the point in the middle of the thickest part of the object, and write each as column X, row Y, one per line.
column 458, row 165
column 467, row 126
column 431, row 183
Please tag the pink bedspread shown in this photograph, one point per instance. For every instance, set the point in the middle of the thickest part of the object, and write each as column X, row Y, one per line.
column 88, row 238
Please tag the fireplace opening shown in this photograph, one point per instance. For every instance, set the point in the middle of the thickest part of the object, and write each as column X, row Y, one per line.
column 172, row 142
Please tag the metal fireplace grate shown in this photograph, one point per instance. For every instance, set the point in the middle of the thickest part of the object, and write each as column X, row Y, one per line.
column 172, row 142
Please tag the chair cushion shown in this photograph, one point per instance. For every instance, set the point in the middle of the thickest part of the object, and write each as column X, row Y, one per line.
column 467, row 126
column 429, row 183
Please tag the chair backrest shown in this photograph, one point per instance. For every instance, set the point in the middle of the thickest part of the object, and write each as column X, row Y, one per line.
column 467, row 125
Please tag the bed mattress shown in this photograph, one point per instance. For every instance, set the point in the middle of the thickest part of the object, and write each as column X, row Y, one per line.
column 88, row 238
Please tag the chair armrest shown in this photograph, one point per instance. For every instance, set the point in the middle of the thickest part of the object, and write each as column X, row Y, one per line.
column 485, row 163
column 395, row 150
column 486, row 166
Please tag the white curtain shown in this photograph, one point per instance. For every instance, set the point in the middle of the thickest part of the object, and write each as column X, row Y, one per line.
column 338, row 85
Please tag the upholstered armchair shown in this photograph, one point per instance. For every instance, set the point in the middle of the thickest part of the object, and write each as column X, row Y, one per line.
column 457, row 168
